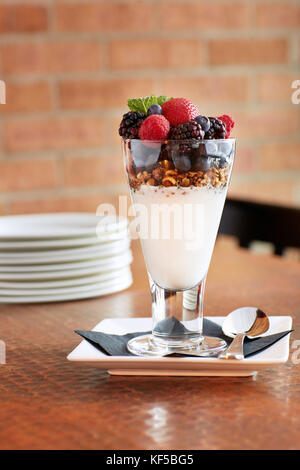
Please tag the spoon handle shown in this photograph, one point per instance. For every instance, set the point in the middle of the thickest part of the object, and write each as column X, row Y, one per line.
column 235, row 350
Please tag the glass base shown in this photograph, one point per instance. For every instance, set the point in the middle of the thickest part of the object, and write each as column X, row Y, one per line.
column 147, row 346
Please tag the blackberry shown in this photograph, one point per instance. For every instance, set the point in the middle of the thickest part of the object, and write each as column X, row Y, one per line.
column 217, row 129
column 187, row 130
column 130, row 124
column 182, row 154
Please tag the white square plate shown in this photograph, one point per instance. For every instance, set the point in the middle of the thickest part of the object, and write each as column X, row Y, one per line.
column 278, row 353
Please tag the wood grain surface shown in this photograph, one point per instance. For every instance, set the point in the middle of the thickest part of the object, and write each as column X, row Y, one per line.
column 47, row 402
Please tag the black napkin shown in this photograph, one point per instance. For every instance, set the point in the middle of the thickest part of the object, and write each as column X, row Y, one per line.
column 116, row 345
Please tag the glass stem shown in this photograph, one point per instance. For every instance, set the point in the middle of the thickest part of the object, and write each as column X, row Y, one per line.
column 186, row 306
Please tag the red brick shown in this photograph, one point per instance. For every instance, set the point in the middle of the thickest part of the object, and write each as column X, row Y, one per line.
column 104, row 16
column 245, row 160
column 284, row 14
column 23, row 18
column 50, row 57
column 205, row 15
column 53, row 133
column 265, row 123
column 162, row 53
column 280, row 156
column 107, row 93
column 27, row 97
column 208, row 89
column 274, row 88
column 27, row 174
column 64, row 203
column 281, row 192
column 93, row 171
column 112, row 137
column 248, row 51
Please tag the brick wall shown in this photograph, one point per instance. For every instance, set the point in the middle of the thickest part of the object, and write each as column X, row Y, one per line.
column 70, row 65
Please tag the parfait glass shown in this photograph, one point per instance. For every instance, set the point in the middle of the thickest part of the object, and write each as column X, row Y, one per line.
column 178, row 190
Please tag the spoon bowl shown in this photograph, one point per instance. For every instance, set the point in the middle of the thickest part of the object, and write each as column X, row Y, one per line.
column 246, row 321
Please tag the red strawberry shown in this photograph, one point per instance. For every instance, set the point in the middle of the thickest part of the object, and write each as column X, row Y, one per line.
column 155, row 127
column 179, row 110
column 229, row 124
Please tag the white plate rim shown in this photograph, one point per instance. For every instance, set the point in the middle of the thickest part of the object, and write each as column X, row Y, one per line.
column 41, row 269
column 117, row 287
column 58, row 225
column 65, row 290
column 12, row 285
column 58, row 256
column 57, row 275
column 63, row 242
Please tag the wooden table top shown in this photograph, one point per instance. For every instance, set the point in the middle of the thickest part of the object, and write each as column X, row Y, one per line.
column 47, row 402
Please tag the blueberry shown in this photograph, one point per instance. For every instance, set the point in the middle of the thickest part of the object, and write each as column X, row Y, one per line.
column 225, row 147
column 211, row 148
column 202, row 163
column 182, row 163
column 204, row 122
column 152, row 158
column 142, row 155
column 154, row 109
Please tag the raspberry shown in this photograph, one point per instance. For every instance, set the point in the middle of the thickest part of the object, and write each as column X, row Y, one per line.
column 130, row 124
column 217, row 129
column 186, row 131
column 229, row 123
column 155, row 127
column 179, row 110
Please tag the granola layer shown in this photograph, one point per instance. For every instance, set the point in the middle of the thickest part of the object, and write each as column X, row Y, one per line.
column 165, row 174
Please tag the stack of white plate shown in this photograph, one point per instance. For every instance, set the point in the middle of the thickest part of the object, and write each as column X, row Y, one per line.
column 56, row 257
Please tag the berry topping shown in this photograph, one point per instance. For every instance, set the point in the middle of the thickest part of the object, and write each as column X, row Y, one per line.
column 155, row 127
column 217, row 129
column 186, row 131
column 154, row 109
column 179, row 110
column 130, row 124
column 204, row 122
column 229, row 123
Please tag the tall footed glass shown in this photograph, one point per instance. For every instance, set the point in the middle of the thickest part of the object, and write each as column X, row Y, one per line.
column 178, row 190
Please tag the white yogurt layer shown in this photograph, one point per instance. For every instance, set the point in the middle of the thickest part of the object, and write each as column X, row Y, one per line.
column 178, row 232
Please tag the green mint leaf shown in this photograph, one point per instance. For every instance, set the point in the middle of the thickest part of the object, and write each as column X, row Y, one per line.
column 162, row 99
column 149, row 100
column 136, row 104
column 141, row 104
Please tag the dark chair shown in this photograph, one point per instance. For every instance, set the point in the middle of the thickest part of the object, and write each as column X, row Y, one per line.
column 249, row 221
